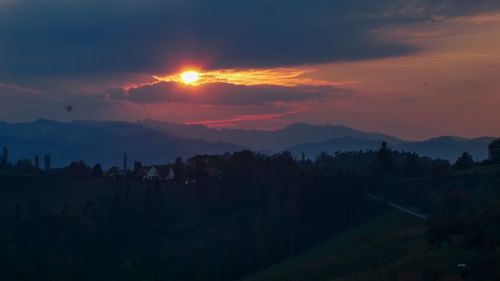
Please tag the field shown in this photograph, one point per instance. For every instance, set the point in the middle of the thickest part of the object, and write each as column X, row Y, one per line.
column 392, row 246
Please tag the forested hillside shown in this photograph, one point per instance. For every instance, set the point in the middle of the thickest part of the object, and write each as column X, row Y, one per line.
column 228, row 217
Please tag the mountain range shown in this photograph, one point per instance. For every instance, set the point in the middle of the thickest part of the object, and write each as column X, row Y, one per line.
column 447, row 148
column 276, row 140
column 314, row 139
column 100, row 142
column 152, row 141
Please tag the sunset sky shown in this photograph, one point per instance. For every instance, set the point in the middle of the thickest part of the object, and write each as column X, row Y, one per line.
column 413, row 69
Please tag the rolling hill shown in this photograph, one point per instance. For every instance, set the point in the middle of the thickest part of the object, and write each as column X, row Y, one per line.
column 448, row 148
column 268, row 140
column 392, row 246
column 158, row 142
column 100, row 142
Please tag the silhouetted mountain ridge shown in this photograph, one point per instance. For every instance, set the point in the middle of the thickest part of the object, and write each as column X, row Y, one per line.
column 100, row 142
column 446, row 147
column 449, row 147
column 159, row 142
column 268, row 140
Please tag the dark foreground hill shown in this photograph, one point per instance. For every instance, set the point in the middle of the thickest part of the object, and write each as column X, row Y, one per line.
column 363, row 253
column 246, row 215
column 397, row 246
column 392, row 246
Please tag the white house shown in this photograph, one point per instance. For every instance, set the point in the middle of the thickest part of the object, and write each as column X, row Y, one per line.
column 161, row 173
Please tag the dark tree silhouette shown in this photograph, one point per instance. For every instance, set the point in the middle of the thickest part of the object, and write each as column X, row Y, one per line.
column 137, row 166
column 97, row 171
column 5, row 156
column 384, row 156
column 25, row 166
column 464, row 162
column 47, row 162
column 37, row 163
column 78, row 169
column 494, row 151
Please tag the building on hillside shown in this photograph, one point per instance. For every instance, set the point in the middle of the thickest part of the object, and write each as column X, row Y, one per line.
column 159, row 173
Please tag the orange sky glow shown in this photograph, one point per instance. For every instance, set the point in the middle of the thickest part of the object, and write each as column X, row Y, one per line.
column 454, row 76
column 286, row 77
column 448, row 86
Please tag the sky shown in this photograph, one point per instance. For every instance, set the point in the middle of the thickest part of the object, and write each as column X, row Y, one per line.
column 414, row 69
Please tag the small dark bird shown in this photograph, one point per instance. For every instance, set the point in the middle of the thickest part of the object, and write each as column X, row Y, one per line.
column 69, row 108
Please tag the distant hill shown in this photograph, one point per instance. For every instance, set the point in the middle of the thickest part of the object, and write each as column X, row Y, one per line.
column 314, row 139
column 448, row 148
column 158, row 142
column 268, row 140
column 331, row 146
column 100, row 142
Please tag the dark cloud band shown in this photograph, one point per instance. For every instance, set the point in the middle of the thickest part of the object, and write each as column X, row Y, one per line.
column 221, row 94
column 61, row 37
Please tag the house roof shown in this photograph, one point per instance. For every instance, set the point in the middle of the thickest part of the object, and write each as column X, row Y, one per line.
column 163, row 170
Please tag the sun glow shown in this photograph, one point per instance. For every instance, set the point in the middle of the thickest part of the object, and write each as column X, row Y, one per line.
column 190, row 77
column 286, row 77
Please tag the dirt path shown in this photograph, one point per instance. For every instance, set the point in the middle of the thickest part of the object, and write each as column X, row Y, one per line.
column 399, row 207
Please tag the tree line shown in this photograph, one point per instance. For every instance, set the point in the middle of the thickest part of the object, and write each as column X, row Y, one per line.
column 236, row 214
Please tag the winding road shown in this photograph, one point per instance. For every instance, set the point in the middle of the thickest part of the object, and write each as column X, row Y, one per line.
column 399, row 207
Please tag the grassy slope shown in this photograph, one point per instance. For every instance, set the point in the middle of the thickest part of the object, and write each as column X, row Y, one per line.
column 388, row 245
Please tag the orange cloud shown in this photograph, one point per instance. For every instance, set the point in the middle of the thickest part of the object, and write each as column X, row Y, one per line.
column 286, row 77
column 235, row 119
column 480, row 18
column 19, row 89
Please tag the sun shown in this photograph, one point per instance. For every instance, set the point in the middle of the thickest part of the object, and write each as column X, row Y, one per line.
column 190, row 77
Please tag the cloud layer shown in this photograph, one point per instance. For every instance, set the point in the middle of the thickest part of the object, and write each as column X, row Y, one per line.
column 76, row 36
column 113, row 59
column 221, row 94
